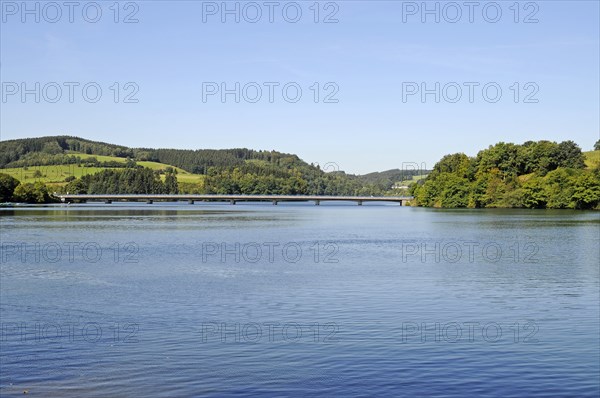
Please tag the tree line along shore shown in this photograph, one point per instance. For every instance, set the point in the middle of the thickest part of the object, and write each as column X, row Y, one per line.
column 535, row 174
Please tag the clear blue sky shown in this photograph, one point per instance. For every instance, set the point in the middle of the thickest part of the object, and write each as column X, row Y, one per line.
column 369, row 53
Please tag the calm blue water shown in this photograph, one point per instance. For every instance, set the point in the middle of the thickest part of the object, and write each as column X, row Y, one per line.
column 173, row 300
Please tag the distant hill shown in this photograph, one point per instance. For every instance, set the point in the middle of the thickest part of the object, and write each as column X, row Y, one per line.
column 390, row 178
column 542, row 174
column 58, row 160
column 63, row 150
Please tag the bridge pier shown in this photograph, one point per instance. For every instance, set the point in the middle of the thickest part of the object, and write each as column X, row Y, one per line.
column 233, row 199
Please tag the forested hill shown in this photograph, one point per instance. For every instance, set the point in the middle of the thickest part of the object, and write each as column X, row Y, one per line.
column 542, row 174
column 389, row 177
column 74, row 164
column 64, row 149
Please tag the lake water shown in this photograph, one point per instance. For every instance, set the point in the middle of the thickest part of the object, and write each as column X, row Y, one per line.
column 178, row 300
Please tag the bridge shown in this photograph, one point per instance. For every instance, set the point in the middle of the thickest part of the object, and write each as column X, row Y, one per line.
column 233, row 199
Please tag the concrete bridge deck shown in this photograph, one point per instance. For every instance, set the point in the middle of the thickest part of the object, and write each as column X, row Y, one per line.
column 233, row 199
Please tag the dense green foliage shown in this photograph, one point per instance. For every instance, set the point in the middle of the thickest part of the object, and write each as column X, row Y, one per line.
column 135, row 180
column 32, row 193
column 227, row 171
column 263, row 179
column 44, row 159
column 539, row 174
column 199, row 161
column 13, row 191
column 385, row 180
column 7, row 187
column 250, row 179
column 55, row 150
column 171, row 186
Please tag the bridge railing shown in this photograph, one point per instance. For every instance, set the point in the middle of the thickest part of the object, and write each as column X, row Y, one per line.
column 232, row 198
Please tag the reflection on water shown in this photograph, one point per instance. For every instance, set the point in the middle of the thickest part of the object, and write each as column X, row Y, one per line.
column 338, row 299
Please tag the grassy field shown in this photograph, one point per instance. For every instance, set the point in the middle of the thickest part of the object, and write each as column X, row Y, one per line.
column 100, row 158
column 150, row 165
column 56, row 174
column 413, row 179
column 592, row 159
column 50, row 174
column 418, row 178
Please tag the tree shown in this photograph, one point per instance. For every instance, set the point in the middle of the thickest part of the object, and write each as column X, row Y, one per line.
column 558, row 186
column 587, row 191
column 455, row 191
column 7, row 187
column 76, row 187
column 457, row 164
column 597, row 146
column 503, row 156
column 125, row 181
column 539, row 157
column 32, row 193
column 171, row 186
column 569, row 155
column 533, row 195
column 52, row 148
column 540, row 174
column 496, row 186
